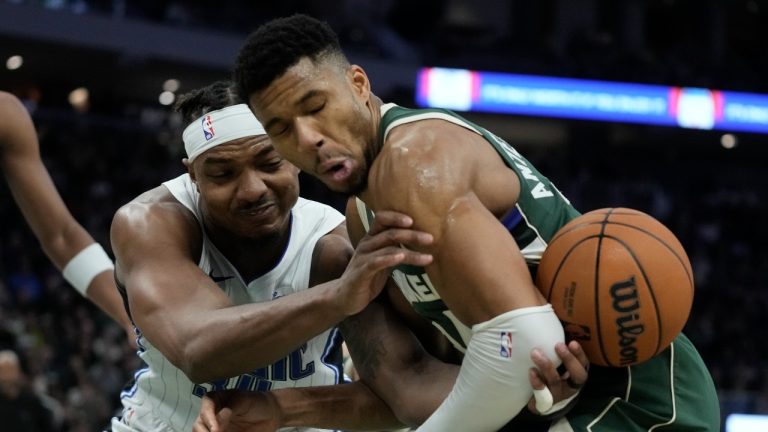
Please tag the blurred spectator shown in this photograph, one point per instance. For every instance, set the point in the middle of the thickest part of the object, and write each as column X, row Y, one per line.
column 21, row 410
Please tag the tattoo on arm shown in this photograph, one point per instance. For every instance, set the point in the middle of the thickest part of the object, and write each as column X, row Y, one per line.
column 366, row 348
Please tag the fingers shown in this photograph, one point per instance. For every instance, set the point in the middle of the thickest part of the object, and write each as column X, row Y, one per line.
column 575, row 362
column 395, row 228
column 394, row 255
column 389, row 219
column 575, row 348
column 206, row 420
column 391, row 241
column 396, row 236
column 396, row 246
column 542, row 397
column 547, row 369
column 536, row 382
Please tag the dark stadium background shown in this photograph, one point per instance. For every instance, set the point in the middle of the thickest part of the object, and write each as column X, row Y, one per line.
column 122, row 141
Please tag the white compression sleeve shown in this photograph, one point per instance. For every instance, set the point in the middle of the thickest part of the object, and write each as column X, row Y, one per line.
column 493, row 386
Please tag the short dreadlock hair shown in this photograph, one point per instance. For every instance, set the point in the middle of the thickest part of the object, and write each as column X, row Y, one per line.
column 193, row 104
column 279, row 44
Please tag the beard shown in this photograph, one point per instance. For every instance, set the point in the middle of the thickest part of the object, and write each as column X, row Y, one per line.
column 360, row 182
column 371, row 150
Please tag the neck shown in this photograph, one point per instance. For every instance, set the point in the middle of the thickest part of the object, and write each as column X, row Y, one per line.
column 373, row 148
column 375, row 110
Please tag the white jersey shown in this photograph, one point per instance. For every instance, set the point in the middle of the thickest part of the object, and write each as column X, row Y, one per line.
column 164, row 399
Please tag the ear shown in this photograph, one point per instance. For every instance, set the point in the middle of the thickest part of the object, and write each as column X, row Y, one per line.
column 360, row 83
column 190, row 169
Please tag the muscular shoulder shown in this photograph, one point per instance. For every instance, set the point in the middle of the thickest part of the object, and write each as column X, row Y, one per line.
column 427, row 162
column 155, row 216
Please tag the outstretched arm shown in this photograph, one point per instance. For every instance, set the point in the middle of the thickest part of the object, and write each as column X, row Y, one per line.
column 59, row 234
column 384, row 351
column 409, row 385
column 187, row 317
column 400, row 380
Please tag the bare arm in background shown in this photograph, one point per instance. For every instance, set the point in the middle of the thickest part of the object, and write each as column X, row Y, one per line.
column 60, row 235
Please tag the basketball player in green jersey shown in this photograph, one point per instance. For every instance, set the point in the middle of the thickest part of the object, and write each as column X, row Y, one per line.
column 491, row 214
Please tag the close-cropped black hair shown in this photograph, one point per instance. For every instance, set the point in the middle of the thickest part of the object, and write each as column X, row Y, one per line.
column 193, row 104
column 279, row 44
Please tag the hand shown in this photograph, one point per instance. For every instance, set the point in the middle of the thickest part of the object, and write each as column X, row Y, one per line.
column 238, row 411
column 546, row 375
column 389, row 242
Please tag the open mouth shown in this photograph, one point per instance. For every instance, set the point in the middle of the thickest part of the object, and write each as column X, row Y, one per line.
column 337, row 171
column 336, row 168
column 340, row 171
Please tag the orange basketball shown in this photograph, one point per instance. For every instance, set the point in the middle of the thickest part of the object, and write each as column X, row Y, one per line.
column 620, row 282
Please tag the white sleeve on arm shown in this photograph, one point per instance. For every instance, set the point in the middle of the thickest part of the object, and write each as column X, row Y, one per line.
column 493, row 386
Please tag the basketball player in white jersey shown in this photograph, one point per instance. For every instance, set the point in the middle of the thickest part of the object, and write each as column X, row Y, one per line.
column 67, row 244
column 216, row 265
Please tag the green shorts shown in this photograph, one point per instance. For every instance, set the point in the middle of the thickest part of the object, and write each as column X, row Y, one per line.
column 671, row 392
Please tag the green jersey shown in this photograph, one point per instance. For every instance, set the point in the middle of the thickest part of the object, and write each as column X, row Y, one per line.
column 671, row 391
column 540, row 211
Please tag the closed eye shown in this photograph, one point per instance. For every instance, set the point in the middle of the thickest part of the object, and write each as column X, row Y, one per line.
column 317, row 109
column 219, row 175
column 273, row 165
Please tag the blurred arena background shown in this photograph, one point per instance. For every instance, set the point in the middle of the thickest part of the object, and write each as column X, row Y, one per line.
column 99, row 77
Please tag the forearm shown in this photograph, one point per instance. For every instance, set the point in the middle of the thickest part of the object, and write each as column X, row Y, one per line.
column 352, row 407
column 232, row 340
column 493, row 385
column 393, row 364
column 61, row 237
column 63, row 241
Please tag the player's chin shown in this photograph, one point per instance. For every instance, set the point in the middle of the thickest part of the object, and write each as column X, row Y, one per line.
column 262, row 234
column 254, row 227
column 349, row 187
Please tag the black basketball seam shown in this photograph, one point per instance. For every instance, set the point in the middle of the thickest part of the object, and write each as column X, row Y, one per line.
column 657, row 238
column 650, row 289
column 679, row 258
column 597, row 287
column 561, row 233
column 562, row 263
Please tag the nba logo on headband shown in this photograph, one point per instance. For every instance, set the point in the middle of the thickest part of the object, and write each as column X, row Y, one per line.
column 208, row 127
column 232, row 122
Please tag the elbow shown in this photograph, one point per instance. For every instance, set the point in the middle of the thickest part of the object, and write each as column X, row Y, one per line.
column 197, row 374
column 409, row 394
column 409, row 416
column 195, row 364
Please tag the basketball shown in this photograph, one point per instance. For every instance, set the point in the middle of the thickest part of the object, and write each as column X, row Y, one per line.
column 620, row 282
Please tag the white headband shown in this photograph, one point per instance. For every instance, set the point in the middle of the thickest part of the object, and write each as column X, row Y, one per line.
column 219, row 127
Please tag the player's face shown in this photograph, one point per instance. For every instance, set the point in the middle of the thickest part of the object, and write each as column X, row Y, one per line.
column 246, row 188
column 318, row 116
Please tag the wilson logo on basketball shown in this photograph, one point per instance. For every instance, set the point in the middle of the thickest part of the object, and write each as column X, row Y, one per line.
column 568, row 299
column 628, row 326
